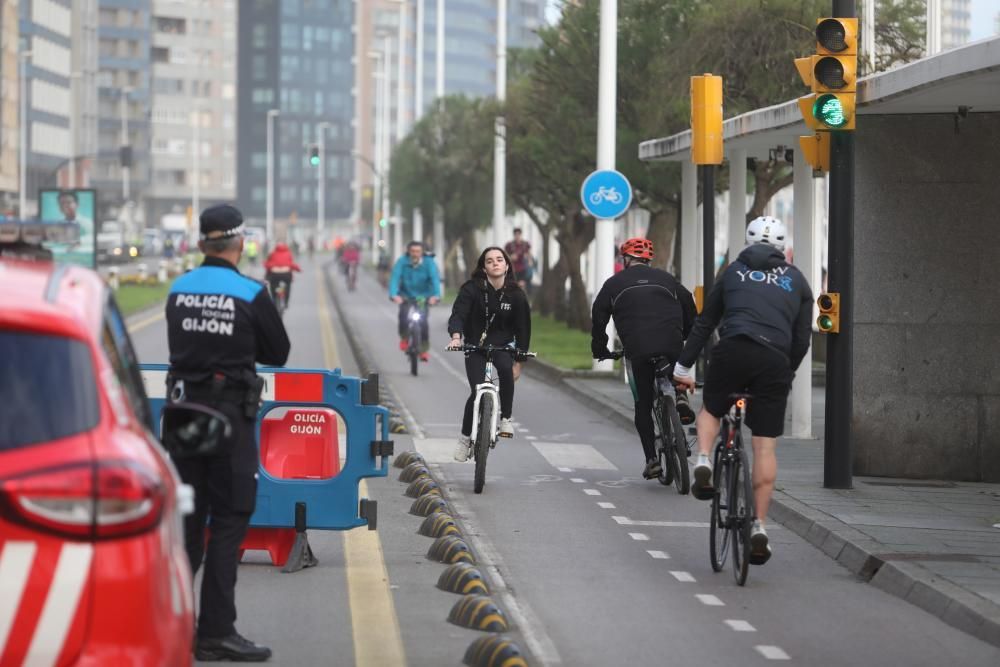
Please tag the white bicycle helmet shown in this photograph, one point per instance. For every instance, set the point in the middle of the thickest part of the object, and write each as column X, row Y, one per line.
column 766, row 229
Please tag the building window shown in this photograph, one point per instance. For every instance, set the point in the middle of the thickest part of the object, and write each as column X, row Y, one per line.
column 260, row 36
column 170, row 26
column 258, row 193
column 263, row 96
column 159, row 54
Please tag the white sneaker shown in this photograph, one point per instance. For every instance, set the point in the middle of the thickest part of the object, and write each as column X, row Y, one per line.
column 702, row 486
column 760, row 551
column 463, row 448
column 506, row 428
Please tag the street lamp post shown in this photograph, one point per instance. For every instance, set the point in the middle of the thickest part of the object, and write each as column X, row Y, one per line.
column 500, row 135
column 73, row 125
column 23, row 56
column 196, row 164
column 439, row 249
column 321, row 178
column 386, row 127
column 377, row 186
column 126, row 169
column 269, row 222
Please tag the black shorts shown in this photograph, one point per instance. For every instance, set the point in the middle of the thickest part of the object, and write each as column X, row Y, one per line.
column 741, row 365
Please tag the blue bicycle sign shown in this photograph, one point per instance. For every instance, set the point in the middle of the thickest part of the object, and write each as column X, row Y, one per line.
column 606, row 194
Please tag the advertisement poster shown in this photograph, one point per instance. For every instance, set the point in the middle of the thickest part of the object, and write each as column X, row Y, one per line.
column 70, row 231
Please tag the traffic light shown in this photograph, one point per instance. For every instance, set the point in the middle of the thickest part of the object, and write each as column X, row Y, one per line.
column 382, row 222
column 829, row 312
column 706, row 119
column 832, row 75
column 314, row 156
column 816, row 150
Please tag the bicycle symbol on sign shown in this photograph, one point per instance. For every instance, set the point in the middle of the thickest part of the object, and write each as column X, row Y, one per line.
column 606, row 194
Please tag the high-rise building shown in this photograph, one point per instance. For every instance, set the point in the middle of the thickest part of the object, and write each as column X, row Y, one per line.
column 955, row 23
column 295, row 56
column 9, row 98
column 123, row 108
column 469, row 63
column 193, row 117
column 47, row 32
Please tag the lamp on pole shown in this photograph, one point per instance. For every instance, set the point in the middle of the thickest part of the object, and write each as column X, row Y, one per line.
column 500, row 135
column 321, row 129
column 269, row 222
column 23, row 57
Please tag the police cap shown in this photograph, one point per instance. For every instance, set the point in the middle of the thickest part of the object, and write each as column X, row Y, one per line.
column 220, row 222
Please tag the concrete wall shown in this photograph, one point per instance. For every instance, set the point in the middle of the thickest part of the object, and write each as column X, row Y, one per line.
column 927, row 312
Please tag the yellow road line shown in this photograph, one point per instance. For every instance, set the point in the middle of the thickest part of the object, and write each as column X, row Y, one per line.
column 142, row 324
column 378, row 641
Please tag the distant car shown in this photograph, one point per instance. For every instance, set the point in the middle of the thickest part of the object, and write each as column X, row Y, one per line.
column 92, row 563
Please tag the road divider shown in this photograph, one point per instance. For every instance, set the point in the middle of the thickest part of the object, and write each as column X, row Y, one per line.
column 463, row 579
column 450, row 549
column 428, row 504
column 478, row 612
column 438, row 525
column 406, row 458
column 422, row 486
column 413, row 472
column 494, row 651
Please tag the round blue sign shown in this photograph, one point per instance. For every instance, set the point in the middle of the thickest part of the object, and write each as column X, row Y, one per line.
column 606, row 194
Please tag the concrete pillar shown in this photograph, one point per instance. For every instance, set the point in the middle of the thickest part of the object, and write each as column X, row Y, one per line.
column 737, row 201
column 690, row 257
column 161, row 272
column 803, row 235
column 113, row 278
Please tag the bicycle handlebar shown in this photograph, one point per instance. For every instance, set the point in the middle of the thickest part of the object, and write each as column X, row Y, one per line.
column 490, row 349
column 617, row 354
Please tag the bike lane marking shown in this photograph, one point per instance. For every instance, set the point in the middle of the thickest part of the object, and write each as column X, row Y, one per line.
column 772, row 652
column 740, row 626
column 374, row 624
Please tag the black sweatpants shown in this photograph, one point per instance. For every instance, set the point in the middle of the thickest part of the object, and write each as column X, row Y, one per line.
column 475, row 370
column 643, row 376
column 225, row 491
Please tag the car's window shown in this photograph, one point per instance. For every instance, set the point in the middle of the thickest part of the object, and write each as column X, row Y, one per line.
column 47, row 389
column 118, row 348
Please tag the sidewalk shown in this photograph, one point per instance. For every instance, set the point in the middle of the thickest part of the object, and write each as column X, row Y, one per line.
column 935, row 544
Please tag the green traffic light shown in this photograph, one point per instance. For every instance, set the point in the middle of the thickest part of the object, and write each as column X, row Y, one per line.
column 383, row 222
column 829, row 111
column 825, row 323
column 314, row 160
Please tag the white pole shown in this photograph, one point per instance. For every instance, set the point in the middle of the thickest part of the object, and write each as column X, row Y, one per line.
column 607, row 92
column 439, row 243
column 868, row 35
column 500, row 130
column 23, row 92
column 377, row 169
column 321, row 179
column 386, row 128
column 689, row 225
column 126, row 171
column 802, row 238
column 269, row 222
column 401, row 125
column 737, row 201
column 73, row 126
column 418, row 103
column 196, row 164
column 933, row 27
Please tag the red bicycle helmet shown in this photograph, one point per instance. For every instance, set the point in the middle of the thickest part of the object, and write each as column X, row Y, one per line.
column 639, row 248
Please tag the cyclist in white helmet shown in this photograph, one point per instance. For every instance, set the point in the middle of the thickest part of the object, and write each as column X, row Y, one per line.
column 762, row 306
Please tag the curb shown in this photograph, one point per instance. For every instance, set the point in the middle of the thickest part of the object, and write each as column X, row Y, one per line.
column 848, row 546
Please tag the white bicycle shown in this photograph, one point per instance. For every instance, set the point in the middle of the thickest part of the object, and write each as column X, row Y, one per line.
column 606, row 194
column 486, row 409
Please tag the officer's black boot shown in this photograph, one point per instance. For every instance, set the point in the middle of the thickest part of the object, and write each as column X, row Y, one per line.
column 235, row 648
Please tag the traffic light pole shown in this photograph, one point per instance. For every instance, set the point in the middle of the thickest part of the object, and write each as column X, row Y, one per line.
column 837, row 446
column 708, row 233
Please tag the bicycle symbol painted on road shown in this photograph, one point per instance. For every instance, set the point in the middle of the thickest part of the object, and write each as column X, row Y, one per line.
column 606, row 194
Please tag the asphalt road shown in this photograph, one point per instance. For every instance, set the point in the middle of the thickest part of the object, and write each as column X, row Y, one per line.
column 592, row 565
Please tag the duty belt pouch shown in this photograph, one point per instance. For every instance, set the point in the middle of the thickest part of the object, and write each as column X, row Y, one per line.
column 252, row 402
column 189, row 430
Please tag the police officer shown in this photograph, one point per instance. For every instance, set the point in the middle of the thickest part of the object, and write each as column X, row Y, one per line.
column 219, row 323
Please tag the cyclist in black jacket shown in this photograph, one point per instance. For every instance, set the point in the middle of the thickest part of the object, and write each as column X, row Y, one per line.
column 490, row 309
column 653, row 314
column 763, row 308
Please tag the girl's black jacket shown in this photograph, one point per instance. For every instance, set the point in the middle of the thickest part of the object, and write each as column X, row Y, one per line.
column 505, row 312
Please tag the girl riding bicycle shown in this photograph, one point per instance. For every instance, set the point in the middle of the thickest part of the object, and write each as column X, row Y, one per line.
column 490, row 309
column 279, row 266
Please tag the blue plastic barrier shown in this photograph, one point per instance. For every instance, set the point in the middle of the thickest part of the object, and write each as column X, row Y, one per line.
column 324, row 504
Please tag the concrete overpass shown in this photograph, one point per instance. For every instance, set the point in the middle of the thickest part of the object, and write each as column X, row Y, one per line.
column 927, row 211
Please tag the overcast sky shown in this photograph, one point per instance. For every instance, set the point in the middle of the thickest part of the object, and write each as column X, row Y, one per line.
column 983, row 24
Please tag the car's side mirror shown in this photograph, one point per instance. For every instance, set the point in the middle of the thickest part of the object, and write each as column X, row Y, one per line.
column 188, row 430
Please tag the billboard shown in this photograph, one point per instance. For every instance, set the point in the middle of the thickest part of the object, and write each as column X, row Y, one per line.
column 71, row 233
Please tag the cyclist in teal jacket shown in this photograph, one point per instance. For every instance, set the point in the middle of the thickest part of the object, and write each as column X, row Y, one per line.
column 414, row 276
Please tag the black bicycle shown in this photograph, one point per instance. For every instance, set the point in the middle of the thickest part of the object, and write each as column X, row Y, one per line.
column 733, row 511
column 486, row 409
column 415, row 316
column 671, row 442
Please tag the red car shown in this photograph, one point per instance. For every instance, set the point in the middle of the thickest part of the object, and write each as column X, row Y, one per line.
column 92, row 563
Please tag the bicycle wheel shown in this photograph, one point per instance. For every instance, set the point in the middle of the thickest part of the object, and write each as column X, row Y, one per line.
column 741, row 516
column 666, row 476
column 676, row 446
column 413, row 350
column 718, row 536
column 483, row 441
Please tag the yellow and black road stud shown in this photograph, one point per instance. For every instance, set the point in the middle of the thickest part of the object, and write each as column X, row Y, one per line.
column 397, row 426
column 439, row 524
column 414, row 471
column 494, row 651
column 428, row 504
column 450, row 549
column 464, row 579
column 478, row 612
column 422, row 486
column 406, row 458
